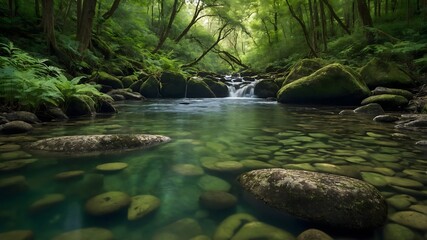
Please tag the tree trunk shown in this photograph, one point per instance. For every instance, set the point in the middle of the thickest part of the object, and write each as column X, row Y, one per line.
column 79, row 15
column 266, row 30
column 366, row 19
column 323, row 23
column 12, row 8
column 113, row 8
column 331, row 10
column 165, row 33
column 84, row 35
column 48, row 23
column 193, row 21
column 304, row 29
column 37, row 8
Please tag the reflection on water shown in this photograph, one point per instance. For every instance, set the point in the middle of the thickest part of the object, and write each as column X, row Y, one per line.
column 213, row 142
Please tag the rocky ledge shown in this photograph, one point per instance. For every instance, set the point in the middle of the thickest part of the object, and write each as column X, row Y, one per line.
column 87, row 144
column 326, row 199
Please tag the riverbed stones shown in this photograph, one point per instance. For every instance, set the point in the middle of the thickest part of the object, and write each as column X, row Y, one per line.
column 394, row 231
column 395, row 91
column 17, row 235
column 231, row 225
column 16, row 127
column 266, row 88
column 259, row 230
column 27, row 117
column 86, row 234
column 13, row 184
column 46, row 202
column 328, row 199
column 69, row 175
column 183, row 229
column 410, row 219
column 255, row 164
column 387, row 101
column 111, row 167
column 86, row 144
column 370, row 109
column 173, row 85
column 107, row 203
column 337, row 84
column 211, row 183
column 142, row 205
column 186, row 169
column 401, row 201
column 217, row 200
column 419, row 208
column 386, row 118
column 313, row 234
column 223, row 166
column 15, row 164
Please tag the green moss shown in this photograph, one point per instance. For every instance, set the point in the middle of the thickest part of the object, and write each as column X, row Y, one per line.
column 129, row 80
column 80, row 106
column 385, row 74
column 266, row 89
column 303, row 68
column 387, row 101
column 197, row 88
column 136, row 86
column 220, row 89
column 394, row 91
column 150, row 88
column 107, row 79
column 330, row 84
column 173, row 85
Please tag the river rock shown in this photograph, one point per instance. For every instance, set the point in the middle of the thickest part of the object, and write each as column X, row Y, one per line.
column 187, row 169
column 220, row 89
column 15, row 164
column 417, row 123
column 126, row 94
column 46, row 202
column 197, row 88
column 303, row 68
column 86, row 234
column 387, row 101
column 87, row 144
column 266, row 89
column 111, row 167
column 150, row 88
column 183, row 229
column 27, row 117
column 142, row 205
column 255, row 164
column 386, row 118
column 337, row 84
column 70, row 175
column 394, row 231
column 13, row 184
column 386, row 74
column 211, row 183
column 231, row 225
column 223, row 166
column 107, row 79
column 313, row 234
column 332, row 200
column 419, row 208
column 370, row 109
column 173, row 85
column 17, row 235
column 80, row 106
column 410, row 219
column 401, row 202
column 16, row 127
column 259, row 230
column 395, row 91
column 217, row 200
column 107, row 203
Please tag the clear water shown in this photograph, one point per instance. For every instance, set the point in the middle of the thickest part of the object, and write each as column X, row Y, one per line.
column 203, row 131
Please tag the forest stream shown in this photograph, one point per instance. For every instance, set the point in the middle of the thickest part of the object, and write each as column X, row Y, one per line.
column 213, row 141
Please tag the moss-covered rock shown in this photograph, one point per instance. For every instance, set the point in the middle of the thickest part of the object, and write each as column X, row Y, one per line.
column 220, row 89
column 395, row 91
column 129, row 80
column 333, row 200
column 136, row 86
column 386, row 74
column 330, row 84
column 78, row 106
column 104, row 78
column 197, row 88
column 173, row 85
column 303, row 68
column 151, row 88
column 266, row 89
column 387, row 101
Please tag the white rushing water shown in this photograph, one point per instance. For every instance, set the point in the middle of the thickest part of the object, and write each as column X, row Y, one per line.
column 239, row 88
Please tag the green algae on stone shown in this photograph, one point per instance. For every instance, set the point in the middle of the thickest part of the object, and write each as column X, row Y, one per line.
column 211, row 183
column 186, row 169
column 259, row 230
column 410, row 219
column 141, row 205
column 86, row 234
column 197, row 88
column 231, row 225
column 107, row 203
column 47, row 201
column 394, row 231
column 150, row 88
column 387, row 101
column 385, row 74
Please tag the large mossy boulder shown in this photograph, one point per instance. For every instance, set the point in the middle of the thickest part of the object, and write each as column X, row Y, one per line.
column 332, row 84
column 220, row 89
column 303, row 68
column 150, row 88
column 129, row 80
column 197, row 88
column 333, row 200
column 385, row 74
column 173, row 85
column 387, row 101
column 104, row 78
column 87, row 144
column 266, row 89
column 80, row 106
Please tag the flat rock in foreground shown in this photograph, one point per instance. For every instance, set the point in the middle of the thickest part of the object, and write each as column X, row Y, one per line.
column 333, row 200
column 86, row 144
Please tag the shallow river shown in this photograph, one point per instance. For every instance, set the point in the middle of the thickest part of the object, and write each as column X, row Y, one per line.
column 245, row 134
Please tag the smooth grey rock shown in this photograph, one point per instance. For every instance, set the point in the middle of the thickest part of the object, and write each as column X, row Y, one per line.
column 86, row 144
column 332, row 200
column 386, row 118
column 16, row 127
column 370, row 109
column 27, row 117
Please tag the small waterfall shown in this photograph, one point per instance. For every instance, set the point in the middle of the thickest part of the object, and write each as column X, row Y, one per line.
column 239, row 88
